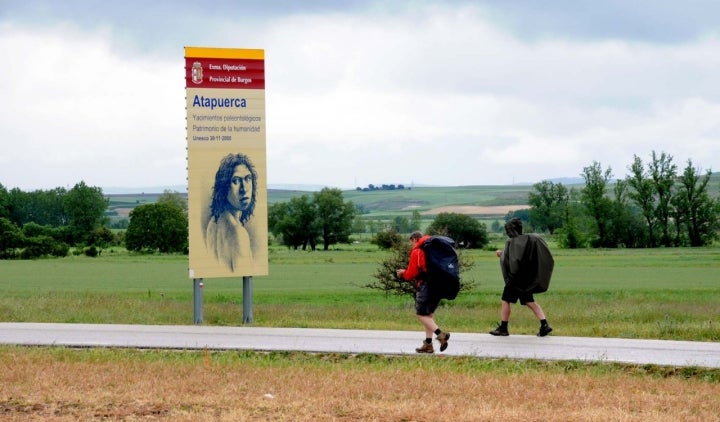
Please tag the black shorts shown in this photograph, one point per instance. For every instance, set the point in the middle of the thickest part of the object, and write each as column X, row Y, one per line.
column 511, row 295
column 426, row 302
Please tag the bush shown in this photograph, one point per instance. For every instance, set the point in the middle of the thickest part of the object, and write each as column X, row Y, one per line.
column 60, row 250
column 387, row 239
column 387, row 281
column 463, row 229
column 92, row 251
column 38, row 246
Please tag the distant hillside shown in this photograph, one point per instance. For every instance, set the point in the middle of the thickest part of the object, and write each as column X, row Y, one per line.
column 480, row 200
column 387, row 203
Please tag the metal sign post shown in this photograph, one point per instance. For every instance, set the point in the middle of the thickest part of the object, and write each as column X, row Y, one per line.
column 247, row 300
column 197, row 301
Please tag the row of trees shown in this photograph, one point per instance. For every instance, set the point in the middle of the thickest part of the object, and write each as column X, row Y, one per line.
column 49, row 222
column 306, row 220
column 653, row 206
column 39, row 223
column 80, row 209
column 372, row 187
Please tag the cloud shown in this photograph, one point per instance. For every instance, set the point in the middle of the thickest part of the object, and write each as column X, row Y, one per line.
column 459, row 93
column 78, row 111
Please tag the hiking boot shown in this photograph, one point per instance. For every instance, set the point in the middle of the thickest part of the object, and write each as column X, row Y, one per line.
column 544, row 330
column 425, row 348
column 499, row 331
column 443, row 338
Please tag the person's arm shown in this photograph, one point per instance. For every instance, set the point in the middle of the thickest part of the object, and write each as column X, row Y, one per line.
column 504, row 262
column 414, row 266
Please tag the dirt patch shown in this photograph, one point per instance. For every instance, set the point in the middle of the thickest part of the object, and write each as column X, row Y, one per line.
column 476, row 210
column 123, row 212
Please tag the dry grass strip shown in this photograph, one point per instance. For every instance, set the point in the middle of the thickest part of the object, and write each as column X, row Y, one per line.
column 42, row 386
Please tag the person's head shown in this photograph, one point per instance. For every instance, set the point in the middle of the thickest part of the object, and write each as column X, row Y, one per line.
column 415, row 236
column 513, row 228
column 235, row 187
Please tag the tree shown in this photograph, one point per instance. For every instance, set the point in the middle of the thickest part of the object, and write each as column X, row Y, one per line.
column 548, row 205
column 305, row 223
column 157, row 227
column 415, row 221
column 695, row 209
column 46, row 208
column 663, row 173
column 401, row 224
column 85, row 207
column 626, row 226
column 11, row 238
column 335, row 216
column 463, row 229
column 359, row 226
column 295, row 222
column 523, row 214
column 573, row 234
column 643, row 195
column 4, row 202
column 596, row 203
column 173, row 198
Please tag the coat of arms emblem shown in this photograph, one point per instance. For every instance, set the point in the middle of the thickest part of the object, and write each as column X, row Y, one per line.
column 197, row 73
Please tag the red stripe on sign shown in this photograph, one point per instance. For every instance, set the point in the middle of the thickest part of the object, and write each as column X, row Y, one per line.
column 224, row 73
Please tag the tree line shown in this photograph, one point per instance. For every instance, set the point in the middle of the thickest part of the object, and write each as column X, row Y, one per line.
column 656, row 205
column 51, row 222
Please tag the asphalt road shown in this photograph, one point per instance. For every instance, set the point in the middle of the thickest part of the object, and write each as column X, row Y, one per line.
column 658, row 352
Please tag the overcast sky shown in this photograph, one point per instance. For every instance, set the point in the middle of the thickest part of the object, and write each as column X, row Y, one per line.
column 358, row 92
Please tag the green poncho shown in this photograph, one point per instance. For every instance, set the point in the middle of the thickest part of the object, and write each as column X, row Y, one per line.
column 527, row 263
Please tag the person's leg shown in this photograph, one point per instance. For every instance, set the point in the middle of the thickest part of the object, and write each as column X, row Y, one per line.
column 537, row 310
column 502, row 328
column 424, row 310
column 425, row 314
column 509, row 296
column 505, row 311
column 545, row 328
column 429, row 323
column 431, row 327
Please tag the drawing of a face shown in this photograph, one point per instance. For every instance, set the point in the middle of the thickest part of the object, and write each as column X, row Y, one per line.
column 241, row 187
column 235, row 188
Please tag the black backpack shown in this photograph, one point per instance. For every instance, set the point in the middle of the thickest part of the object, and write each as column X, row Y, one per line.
column 443, row 267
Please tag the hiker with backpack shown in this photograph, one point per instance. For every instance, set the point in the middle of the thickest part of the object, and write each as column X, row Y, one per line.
column 426, row 298
column 527, row 266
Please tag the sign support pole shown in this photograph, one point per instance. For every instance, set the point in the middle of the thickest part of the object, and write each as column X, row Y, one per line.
column 197, row 301
column 247, row 300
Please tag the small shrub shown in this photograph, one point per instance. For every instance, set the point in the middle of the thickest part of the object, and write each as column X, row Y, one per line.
column 92, row 251
column 387, row 239
column 60, row 250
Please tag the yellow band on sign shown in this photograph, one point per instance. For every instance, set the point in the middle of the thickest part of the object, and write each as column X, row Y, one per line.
column 225, row 53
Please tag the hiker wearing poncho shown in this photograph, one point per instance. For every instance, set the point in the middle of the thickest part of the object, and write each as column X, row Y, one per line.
column 527, row 266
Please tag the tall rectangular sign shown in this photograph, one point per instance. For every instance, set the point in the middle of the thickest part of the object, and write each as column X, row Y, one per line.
column 227, row 170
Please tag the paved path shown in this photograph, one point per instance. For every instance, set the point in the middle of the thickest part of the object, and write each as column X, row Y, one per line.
column 659, row 352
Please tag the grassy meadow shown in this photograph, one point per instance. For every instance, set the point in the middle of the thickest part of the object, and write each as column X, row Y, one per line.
column 654, row 294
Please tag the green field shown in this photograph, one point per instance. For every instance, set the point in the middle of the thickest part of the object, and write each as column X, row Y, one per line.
column 656, row 294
